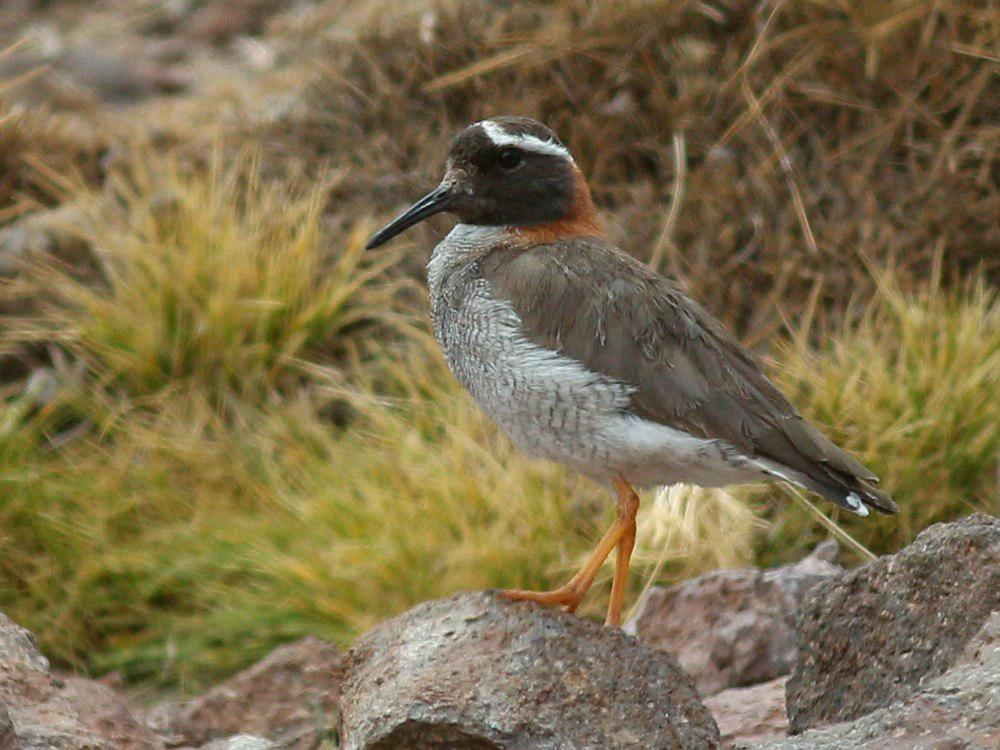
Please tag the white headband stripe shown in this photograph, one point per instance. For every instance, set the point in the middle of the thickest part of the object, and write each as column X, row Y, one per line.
column 501, row 137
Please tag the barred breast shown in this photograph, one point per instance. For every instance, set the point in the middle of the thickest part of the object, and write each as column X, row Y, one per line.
column 548, row 404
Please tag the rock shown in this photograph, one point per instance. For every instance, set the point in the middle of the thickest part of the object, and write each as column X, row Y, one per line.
column 53, row 231
column 161, row 16
column 750, row 713
column 959, row 710
column 111, row 75
column 477, row 671
column 71, row 714
column 290, row 697
column 20, row 659
column 873, row 635
column 8, row 738
column 239, row 742
column 17, row 14
column 733, row 628
column 61, row 74
column 218, row 22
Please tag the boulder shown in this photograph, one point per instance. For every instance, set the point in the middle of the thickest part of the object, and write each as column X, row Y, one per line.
column 750, row 713
column 71, row 713
column 477, row 671
column 872, row 636
column 50, row 231
column 8, row 738
column 219, row 21
column 960, row 710
column 240, row 742
column 733, row 628
column 290, row 698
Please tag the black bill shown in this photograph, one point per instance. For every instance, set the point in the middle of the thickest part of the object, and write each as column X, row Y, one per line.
column 434, row 202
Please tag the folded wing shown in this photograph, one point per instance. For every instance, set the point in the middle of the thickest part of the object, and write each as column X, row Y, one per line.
column 617, row 317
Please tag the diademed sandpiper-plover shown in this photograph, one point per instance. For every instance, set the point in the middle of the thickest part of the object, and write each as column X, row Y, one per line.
column 585, row 356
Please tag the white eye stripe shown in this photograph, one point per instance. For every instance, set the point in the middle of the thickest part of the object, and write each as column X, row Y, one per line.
column 501, row 137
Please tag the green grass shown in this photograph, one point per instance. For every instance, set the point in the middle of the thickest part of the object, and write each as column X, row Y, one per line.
column 248, row 435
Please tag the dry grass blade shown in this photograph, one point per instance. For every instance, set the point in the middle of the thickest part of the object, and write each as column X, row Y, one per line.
column 833, row 527
column 481, row 67
column 665, row 240
column 786, row 167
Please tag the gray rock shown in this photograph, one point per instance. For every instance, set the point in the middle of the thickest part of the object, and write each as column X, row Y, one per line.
column 111, row 75
column 733, row 628
column 959, row 710
column 8, row 737
column 52, row 231
column 69, row 714
column 20, row 659
column 240, row 742
column 872, row 636
column 67, row 73
column 219, row 21
column 477, row 671
column 291, row 697
column 750, row 713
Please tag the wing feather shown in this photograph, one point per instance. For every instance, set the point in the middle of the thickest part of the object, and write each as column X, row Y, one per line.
column 617, row 317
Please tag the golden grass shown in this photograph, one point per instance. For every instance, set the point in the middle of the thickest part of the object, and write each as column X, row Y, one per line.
column 40, row 151
column 183, row 545
column 211, row 281
column 911, row 389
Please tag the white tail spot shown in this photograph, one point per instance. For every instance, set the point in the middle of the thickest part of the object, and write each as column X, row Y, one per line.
column 856, row 505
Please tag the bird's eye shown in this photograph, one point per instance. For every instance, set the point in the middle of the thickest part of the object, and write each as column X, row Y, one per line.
column 510, row 159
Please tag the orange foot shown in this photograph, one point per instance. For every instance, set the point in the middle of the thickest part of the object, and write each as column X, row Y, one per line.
column 621, row 535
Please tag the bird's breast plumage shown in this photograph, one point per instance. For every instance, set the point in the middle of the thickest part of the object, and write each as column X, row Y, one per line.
column 547, row 403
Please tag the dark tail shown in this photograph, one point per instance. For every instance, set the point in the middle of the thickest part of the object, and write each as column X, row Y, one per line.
column 854, row 494
column 839, row 487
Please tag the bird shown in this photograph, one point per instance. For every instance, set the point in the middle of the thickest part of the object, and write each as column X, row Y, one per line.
column 586, row 356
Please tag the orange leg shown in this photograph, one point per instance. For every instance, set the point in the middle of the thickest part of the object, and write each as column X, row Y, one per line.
column 628, row 506
column 620, row 535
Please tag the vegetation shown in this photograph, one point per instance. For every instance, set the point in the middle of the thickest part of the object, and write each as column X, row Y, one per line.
column 911, row 389
column 224, row 425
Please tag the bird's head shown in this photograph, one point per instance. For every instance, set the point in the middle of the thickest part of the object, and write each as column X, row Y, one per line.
column 507, row 172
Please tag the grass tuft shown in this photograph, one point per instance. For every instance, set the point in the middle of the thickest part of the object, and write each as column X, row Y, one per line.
column 183, row 546
column 911, row 390
column 214, row 282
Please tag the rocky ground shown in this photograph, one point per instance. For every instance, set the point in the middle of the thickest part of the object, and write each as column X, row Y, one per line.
column 900, row 653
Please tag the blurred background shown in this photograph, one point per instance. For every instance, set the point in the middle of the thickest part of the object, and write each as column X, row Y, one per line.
column 224, row 425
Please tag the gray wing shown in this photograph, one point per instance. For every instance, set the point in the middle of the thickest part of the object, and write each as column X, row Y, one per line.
column 617, row 317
